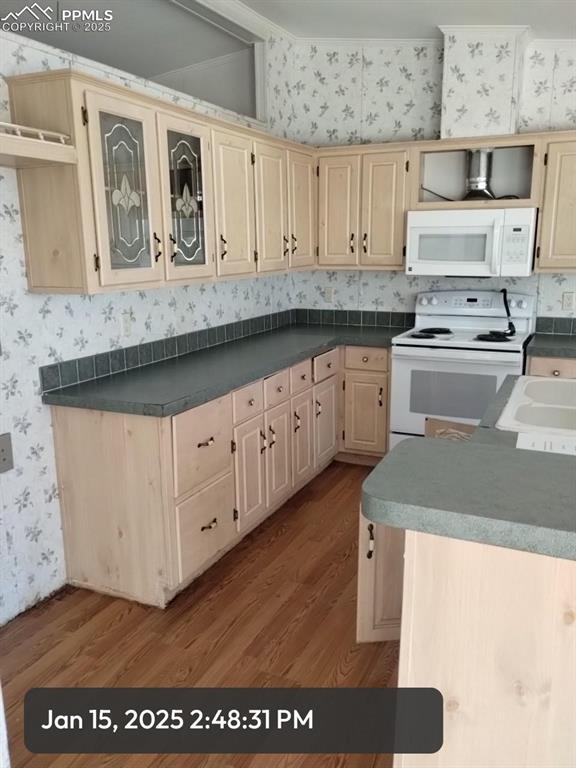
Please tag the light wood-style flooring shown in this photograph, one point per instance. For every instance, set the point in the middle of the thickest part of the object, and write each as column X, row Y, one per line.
column 279, row 610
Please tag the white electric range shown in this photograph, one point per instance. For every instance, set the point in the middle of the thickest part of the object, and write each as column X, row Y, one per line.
column 449, row 366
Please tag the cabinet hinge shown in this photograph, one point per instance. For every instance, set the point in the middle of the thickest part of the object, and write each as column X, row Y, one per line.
column 84, row 115
column 317, row 170
column 538, row 252
column 403, row 250
column 317, row 251
column 255, row 255
column 343, row 434
column 253, row 158
column 407, row 165
column 546, row 158
column 233, row 446
column 343, row 386
column 235, row 514
column 96, row 263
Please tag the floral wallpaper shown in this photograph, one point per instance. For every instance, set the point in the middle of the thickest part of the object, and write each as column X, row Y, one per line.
column 548, row 98
column 480, row 88
column 349, row 94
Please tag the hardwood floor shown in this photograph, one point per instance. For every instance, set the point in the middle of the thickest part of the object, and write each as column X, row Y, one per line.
column 279, row 610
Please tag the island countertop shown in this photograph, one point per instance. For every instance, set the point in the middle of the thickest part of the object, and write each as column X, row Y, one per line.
column 485, row 490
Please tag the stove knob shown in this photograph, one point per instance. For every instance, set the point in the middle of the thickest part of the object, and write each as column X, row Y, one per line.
column 522, row 304
column 513, row 303
column 423, row 301
column 433, row 301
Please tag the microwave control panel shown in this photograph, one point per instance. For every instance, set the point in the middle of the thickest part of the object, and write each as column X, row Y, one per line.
column 518, row 231
column 516, row 243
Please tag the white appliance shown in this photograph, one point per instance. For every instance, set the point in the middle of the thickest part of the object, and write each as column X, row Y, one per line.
column 450, row 365
column 471, row 243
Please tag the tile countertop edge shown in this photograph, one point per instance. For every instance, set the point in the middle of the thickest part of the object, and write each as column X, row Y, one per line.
column 455, row 525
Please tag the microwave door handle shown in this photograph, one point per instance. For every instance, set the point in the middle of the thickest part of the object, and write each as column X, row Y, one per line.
column 496, row 266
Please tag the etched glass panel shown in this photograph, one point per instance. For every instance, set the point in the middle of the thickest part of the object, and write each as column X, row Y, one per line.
column 186, row 199
column 125, row 186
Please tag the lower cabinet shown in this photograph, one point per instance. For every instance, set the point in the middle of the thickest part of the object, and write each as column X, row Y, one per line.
column 250, row 471
column 302, row 438
column 559, row 367
column 325, row 420
column 380, row 577
column 365, row 422
column 278, row 454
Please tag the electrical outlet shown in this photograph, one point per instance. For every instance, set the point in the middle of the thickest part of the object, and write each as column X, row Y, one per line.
column 329, row 295
column 6, row 457
column 569, row 301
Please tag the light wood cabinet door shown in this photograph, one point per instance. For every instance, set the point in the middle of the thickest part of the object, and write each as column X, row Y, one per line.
column 325, row 421
column 303, row 202
column 558, row 228
column 302, row 438
column 380, row 577
column 365, row 421
column 339, row 210
column 273, row 242
column 383, row 191
column 278, row 430
column 234, row 196
column 126, row 183
column 187, row 197
column 250, row 471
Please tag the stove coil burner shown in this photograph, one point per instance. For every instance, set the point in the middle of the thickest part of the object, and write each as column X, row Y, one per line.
column 422, row 335
column 436, row 331
column 497, row 336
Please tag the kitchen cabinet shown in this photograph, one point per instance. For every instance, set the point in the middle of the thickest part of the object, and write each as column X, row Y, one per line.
column 365, row 424
column 250, row 471
column 380, row 579
column 325, row 421
column 234, row 203
column 339, row 210
column 302, row 438
column 187, row 197
column 302, row 199
column 559, row 367
column 278, row 431
column 382, row 220
column 557, row 248
column 273, row 242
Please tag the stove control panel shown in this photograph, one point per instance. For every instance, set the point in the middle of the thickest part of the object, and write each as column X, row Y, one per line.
column 474, row 303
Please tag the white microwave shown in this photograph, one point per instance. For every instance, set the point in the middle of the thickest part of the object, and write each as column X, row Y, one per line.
column 471, row 243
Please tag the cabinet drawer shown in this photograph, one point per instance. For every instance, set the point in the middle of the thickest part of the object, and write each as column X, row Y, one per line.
column 205, row 525
column 247, row 402
column 202, row 437
column 560, row 367
column 325, row 365
column 366, row 358
column 277, row 388
column 301, row 377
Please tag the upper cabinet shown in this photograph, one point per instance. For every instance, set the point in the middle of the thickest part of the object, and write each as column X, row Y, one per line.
column 126, row 187
column 557, row 249
column 271, row 207
column 302, row 199
column 362, row 209
column 234, row 193
column 186, row 188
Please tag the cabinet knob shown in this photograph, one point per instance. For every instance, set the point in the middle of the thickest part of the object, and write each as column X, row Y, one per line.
column 328, row 365
column 251, row 402
column 303, row 377
column 556, row 373
column 280, row 388
column 365, row 359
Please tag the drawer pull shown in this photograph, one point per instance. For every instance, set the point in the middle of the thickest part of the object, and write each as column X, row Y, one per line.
column 370, row 552
column 206, row 443
column 159, row 253
column 224, row 243
column 328, row 365
column 251, row 402
column 286, row 245
column 174, row 243
column 365, row 242
column 294, row 243
column 264, row 442
column 210, row 526
column 365, row 359
column 352, row 243
column 280, row 388
column 298, row 424
column 556, row 372
column 318, row 408
column 273, row 440
column 380, row 393
column 303, row 377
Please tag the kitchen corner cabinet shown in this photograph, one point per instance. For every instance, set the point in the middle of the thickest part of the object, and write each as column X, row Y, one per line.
column 302, row 205
column 557, row 248
column 361, row 209
column 380, row 581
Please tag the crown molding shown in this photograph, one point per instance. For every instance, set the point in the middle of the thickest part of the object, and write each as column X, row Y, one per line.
column 243, row 16
column 360, row 41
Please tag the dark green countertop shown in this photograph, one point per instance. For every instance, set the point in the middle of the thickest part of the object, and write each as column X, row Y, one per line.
column 484, row 490
column 175, row 385
column 552, row 345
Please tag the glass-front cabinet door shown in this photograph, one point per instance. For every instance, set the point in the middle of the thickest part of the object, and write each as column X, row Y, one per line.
column 186, row 172
column 125, row 177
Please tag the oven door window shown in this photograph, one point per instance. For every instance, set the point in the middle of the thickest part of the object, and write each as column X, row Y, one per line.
column 454, row 395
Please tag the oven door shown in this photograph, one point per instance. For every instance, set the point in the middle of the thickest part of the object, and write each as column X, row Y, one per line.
column 446, row 384
column 454, row 243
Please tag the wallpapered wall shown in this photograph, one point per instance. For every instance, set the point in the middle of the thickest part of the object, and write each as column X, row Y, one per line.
column 370, row 93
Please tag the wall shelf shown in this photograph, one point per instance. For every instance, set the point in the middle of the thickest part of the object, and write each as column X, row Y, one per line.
column 24, row 147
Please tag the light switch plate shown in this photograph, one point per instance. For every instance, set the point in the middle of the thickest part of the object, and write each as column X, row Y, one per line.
column 6, row 457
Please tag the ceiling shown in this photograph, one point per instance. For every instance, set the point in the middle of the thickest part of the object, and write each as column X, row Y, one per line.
column 147, row 37
column 386, row 19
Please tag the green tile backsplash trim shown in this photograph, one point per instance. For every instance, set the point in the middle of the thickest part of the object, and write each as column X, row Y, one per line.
column 69, row 372
column 564, row 326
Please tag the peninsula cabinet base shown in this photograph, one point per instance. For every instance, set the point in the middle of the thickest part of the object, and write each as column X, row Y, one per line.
column 494, row 630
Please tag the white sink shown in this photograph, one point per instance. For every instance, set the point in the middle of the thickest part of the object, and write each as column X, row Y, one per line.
column 541, row 405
